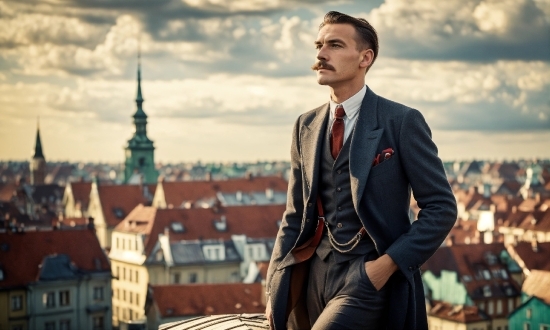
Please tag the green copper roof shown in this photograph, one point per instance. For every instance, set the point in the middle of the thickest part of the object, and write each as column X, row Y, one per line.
column 38, row 146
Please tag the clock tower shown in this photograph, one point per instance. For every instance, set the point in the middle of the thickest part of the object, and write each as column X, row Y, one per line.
column 139, row 166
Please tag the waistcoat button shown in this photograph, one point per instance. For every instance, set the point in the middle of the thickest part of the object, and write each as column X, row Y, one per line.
column 339, row 225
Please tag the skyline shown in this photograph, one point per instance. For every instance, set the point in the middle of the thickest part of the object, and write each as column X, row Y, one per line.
column 225, row 82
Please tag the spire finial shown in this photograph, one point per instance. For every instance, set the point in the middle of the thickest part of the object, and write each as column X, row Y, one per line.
column 139, row 98
column 38, row 153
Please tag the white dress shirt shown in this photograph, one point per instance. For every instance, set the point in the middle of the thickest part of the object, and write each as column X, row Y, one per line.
column 351, row 107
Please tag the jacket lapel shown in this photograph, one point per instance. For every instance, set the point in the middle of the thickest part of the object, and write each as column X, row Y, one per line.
column 364, row 143
column 311, row 144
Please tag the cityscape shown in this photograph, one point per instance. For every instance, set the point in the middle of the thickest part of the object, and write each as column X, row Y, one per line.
column 121, row 214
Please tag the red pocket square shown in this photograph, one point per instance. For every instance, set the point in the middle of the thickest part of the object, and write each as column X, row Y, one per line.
column 384, row 155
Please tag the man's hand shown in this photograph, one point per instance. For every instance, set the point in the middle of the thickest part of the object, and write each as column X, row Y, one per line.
column 268, row 315
column 380, row 270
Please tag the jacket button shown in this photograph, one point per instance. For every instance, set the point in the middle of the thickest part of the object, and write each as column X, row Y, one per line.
column 410, row 268
column 309, row 204
column 339, row 171
column 338, row 189
column 339, row 208
column 307, row 220
column 339, row 225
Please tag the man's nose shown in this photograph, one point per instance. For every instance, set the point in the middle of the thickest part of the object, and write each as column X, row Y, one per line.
column 322, row 54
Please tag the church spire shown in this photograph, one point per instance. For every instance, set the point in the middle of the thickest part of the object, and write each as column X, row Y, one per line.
column 38, row 145
column 139, row 97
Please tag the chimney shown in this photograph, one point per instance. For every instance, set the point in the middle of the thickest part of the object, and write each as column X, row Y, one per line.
column 534, row 245
column 166, row 231
column 208, row 176
column 239, row 196
column 269, row 193
column 90, row 223
column 249, row 176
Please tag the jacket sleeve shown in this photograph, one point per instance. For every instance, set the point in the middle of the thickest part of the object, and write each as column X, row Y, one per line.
column 431, row 190
column 292, row 217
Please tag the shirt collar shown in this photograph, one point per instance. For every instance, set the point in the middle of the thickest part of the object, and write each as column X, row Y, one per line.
column 351, row 105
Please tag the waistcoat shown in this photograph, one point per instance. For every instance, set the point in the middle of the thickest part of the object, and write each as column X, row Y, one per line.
column 335, row 193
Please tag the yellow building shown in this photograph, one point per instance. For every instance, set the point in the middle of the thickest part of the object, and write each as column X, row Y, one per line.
column 13, row 309
column 180, row 246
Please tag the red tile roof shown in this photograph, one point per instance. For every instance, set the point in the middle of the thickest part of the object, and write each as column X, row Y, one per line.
column 22, row 253
column 254, row 221
column 476, row 266
column 81, row 193
column 121, row 199
column 207, row 299
column 538, row 284
column 457, row 313
column 526, row 257
column 176, row 193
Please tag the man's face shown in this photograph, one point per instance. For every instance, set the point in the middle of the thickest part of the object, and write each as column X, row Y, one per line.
column 339, row 61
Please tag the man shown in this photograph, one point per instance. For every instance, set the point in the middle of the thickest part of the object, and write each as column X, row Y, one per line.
column 354, row 160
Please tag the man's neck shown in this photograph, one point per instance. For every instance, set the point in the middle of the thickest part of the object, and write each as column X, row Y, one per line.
column 340, row 94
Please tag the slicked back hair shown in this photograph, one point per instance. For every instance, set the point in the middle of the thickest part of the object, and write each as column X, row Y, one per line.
column 366, row 34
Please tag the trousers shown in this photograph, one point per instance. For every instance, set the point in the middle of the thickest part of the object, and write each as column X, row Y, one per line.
column 340, row 295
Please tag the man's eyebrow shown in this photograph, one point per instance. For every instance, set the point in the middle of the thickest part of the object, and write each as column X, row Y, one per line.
column 330, row 41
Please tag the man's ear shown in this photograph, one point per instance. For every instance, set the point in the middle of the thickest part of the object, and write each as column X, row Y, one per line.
column 367, row 56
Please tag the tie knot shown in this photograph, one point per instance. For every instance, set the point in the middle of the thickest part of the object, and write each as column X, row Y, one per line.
column 340, row 113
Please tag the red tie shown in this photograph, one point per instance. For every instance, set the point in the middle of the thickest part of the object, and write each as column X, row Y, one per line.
column 337, row 136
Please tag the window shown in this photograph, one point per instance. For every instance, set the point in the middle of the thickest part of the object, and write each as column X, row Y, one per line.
column 526, row 326
column 137, row 299
column 123, row 273
column 65, row 325
column 528, row 313
column 499, row 307
column 64, row 298
column 49, row 326
column 16, row 303
column 544, row 327
column 98, row 293
column 130, row 275
column 117, row 243
column 510, row 305
column 136, row 277
column 131, row 300
column 117, row 271
column 487, row 291
column 97, row 322
column 123, row 295
column 176, row 278
column 131, row 314
column 193, row 278
column 48, row 299
column 17, row 327
column 490, row 308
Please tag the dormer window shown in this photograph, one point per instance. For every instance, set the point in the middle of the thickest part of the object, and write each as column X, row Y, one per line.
column 214, row 252
column 487, row 291
column 221, row 225
column 177, row 227
column 119, row 213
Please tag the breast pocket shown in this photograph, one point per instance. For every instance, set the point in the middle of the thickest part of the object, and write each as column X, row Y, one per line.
column 383, row 167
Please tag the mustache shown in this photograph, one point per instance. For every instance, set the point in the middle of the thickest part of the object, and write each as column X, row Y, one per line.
column 321, row 64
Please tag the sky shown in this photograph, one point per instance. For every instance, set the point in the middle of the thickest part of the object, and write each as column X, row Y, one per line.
column 226, row 80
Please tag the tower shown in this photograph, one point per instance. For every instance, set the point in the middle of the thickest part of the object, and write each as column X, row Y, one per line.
column 140, row 152
column 38, row 162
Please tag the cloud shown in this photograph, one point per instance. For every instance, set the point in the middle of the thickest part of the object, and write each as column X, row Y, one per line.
column 501, row 96
column 473, row 30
